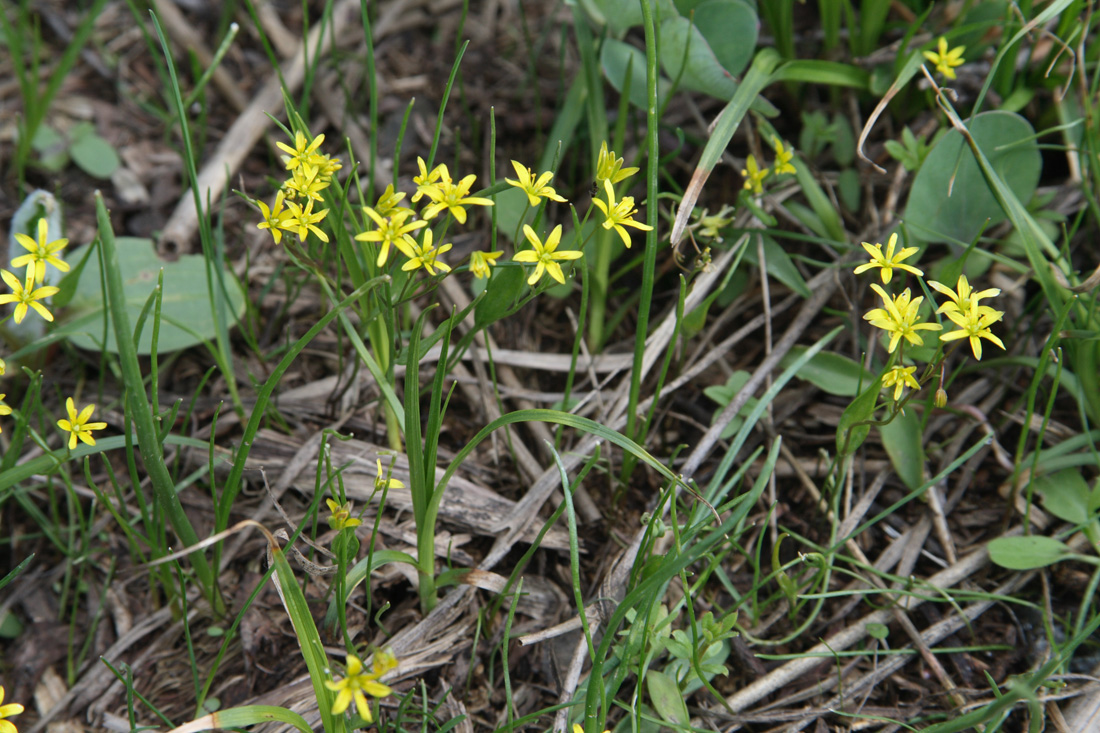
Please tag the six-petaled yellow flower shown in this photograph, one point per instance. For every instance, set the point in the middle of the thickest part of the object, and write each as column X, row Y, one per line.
column 783, row 157
column 302, row 221
column 77, row 426
column 422, row 254
column 618, row 215
column 891, row 260
column 6, row 711
column 962, row 297
column 974, row 324
column 482, row 262
column 945, row 61
column 25, row 296
column 454, row 197
column 274, row 217
column 391, row 230
column 900, row 317
column 534, row 188
column 899, row 378
column 610, row 168
column 340, row 516
column 358, row 684
column 41, row 252
column 389, row 202
column 307, row 182
column 754, row 175
column 427, row 180
column 303, row 152
column 545, row 255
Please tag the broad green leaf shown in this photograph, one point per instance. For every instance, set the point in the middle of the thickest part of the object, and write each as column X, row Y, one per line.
column 1027, row 553
column 620, row 15
column 730, row 28
column 849, row 434
column 94, row 155
column 901, row 438
column 1008, row 142
column 666, row 697
column 186, row 313
column 829, row 372
column 723, row 394
column 687, row 57
column 505, row 285
column 615, row 58
column 1065, row 495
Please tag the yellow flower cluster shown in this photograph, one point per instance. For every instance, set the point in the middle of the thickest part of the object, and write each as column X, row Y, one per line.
column 900, row 315
column 40, row 252
column 754, row 175
column 311, row 173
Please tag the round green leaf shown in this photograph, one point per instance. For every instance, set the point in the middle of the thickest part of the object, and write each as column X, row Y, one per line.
column 95, row 156
column 1008, row 140
column 615, row 58
column 186, row 319
column 683, row 42
column 730, row 28
column 1027, row 553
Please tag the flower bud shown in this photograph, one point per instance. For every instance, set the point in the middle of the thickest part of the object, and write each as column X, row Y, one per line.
column 941, row 397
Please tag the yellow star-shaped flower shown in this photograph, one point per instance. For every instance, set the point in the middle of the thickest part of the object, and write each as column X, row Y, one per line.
column 391, row 230
column 25, row 296
column 974, row 325
column 41, row 252
column 900, row 317
column 890, row 261
column 900, row 378
column 482, row 262
column 77, row 426
column 534, row 188
column 422, row 254
column 545, row 255
column 610, row 168
column 754, row 175
column 619, row 215
column 963, row 296
column 945, row 61
column 783, row 157
column 359, row 682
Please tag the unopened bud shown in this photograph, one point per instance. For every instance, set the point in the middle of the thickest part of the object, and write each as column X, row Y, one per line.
column 941, row 397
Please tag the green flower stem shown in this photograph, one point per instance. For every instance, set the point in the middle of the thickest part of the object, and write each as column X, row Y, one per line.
column 149, row 444
column 601, row 277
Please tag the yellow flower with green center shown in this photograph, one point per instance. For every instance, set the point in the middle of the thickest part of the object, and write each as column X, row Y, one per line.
column 327, row 164
column 303, row 151
column 340, row 516
column 900, row 378
column 4, row 409
column 890, row 261
column 422, row 254
column 358, row 684
column 427, row 181
column 41, row 251
column 619, row 215
column 545, row 255
column 534, row 188
column 382, row 482
column 77, row 426
column 945, row 61
column 307, row 182
column 962, row 297
column 610, row 168
column 974, row 324
column 25, row 296
column 754, row 175
column 6, row 711
column 482, row 262
column 303, row 221
column 274, row 217
column 900, row 317
column 783, row 157
column 391, row 230
column 389, row 202
column 454, row 197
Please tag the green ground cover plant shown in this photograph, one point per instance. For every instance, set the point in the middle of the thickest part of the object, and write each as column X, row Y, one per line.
column 612, row 365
